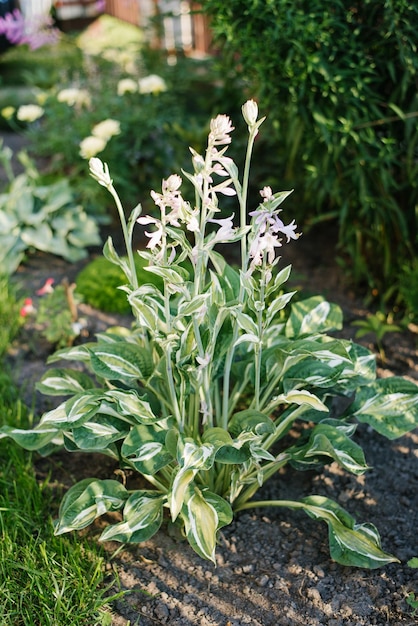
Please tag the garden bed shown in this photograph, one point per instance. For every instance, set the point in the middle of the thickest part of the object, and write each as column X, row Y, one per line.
column 273, row 565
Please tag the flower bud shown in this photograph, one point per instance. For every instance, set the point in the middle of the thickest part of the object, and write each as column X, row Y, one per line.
column 250, row 112
column 100, row 172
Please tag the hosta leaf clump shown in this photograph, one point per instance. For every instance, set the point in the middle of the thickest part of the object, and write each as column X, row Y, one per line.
column 200, row 394
column 42, row 217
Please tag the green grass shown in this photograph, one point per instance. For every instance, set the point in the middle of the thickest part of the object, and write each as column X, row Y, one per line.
column 44, row 580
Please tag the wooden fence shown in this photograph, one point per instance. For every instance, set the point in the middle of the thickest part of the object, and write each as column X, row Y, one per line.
column 183, row 25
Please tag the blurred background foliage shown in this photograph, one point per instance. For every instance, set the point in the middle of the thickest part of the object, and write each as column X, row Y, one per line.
column 338, row 82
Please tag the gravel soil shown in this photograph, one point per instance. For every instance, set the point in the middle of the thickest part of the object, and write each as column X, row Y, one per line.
column 273, row 566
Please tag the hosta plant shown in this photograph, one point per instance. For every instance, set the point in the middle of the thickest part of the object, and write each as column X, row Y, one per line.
column 200, row 394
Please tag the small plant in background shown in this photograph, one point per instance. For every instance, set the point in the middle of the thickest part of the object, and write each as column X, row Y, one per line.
column 54, row 315
column 412, row 598
column 57, row 315
column 199, row 395
column 99, row 284
column 40, row 216
column 378, row 325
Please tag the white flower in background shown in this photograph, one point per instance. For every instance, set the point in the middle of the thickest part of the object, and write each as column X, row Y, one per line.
column 127, row 85
column 100, row 172
column 90, row 146
column 152, row 84
column 74, row 96
column 29, row 112
column 106, row 129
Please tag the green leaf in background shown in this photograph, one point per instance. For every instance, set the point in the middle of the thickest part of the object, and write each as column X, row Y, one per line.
column 389, row 405
column 351, row 544
column 313, row 315
column 87, row 500
column 142, row 517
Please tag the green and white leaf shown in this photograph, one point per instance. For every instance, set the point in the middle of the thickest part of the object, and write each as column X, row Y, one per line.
column 130, row 404
column 327, row 442
column 351, row 544
column 142, row 517
column 100, row 433
column 87, row 500
column 145, row 448
column 34, row 439
column 389, row 405
column 201, row 524
column 61, row 381
column 313, row 315
column 121, row 361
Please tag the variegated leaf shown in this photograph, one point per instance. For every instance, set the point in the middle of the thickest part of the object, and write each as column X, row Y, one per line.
column 121, row 361
column 61, row 382
column 201, row 524
column 130, row 404
column 87, row 500
column 34, row 439
column 350, row 543
column 145, row 449
column 389, row 405
column 142, row 517
column 313, row 315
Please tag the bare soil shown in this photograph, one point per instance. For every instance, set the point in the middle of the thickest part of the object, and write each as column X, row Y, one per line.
column 273, row 565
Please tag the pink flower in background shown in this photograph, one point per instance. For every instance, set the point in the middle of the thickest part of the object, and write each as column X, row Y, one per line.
column 47, row 288
column 27, row 308
column 36, row 32
column 12, row 26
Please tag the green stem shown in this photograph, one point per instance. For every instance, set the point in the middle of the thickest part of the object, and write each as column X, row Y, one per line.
column 290, row 504
column 127, row 239
column 244, row 263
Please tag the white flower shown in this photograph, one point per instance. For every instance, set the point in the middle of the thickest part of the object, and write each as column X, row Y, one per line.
column 74, row 96
column 152, row 84
column 220, row 127
column 155, row 237
column 264, row 244
column 90, row 146
column 127, row 85
column 100, row 172
column 250, row 112
column 266, row 193
column 29, row 112
column 106, row 129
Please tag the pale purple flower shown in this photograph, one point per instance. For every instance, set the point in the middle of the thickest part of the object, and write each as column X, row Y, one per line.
column 36, row 32
column 226, row 232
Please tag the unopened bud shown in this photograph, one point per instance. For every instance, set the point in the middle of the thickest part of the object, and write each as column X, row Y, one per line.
column 100, row 172
column 250, row 112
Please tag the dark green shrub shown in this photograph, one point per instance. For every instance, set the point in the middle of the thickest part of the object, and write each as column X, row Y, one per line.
column 98, row 284
column 340, row 81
